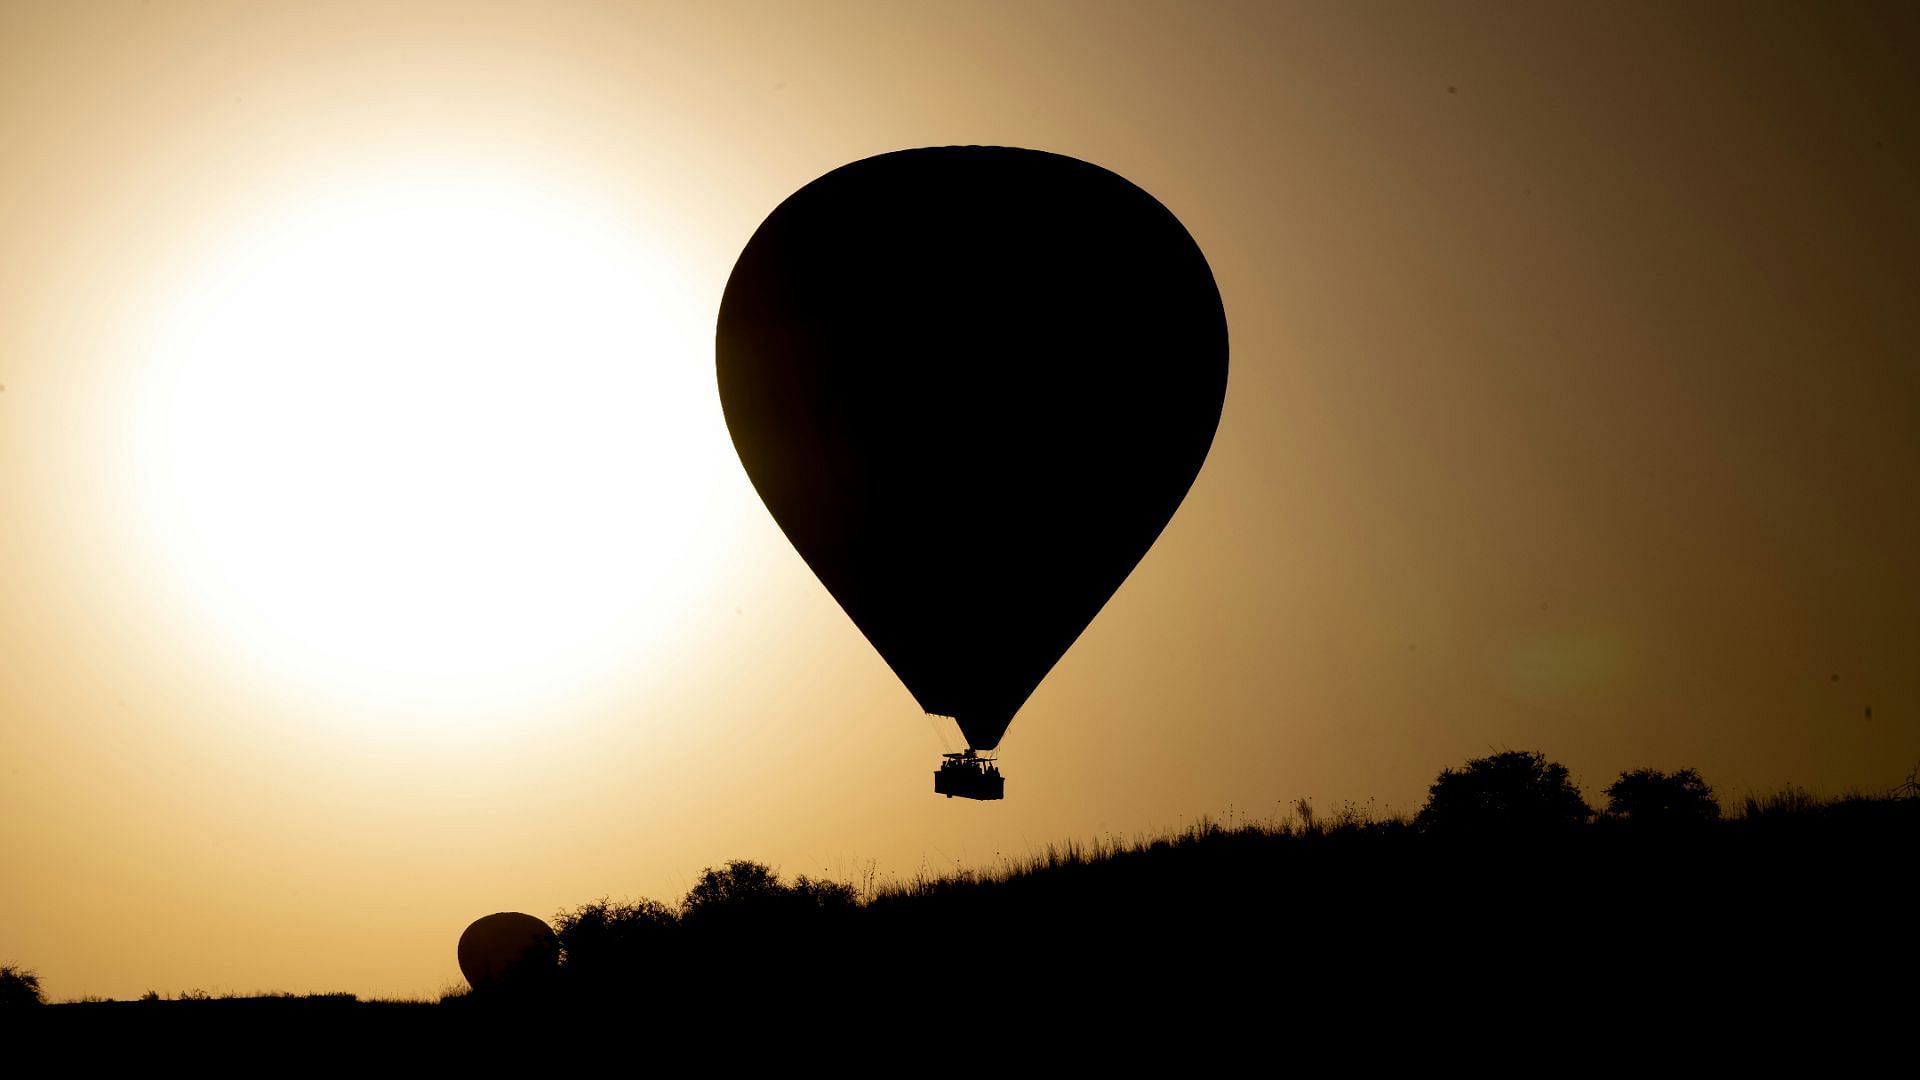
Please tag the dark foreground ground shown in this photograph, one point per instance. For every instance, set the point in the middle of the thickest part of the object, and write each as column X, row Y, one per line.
column 1784, row 933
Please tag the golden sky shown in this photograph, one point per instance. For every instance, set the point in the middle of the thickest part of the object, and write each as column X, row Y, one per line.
column 373, row 555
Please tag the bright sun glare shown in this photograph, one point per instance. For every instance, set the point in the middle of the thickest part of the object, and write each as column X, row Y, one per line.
column 435, row 444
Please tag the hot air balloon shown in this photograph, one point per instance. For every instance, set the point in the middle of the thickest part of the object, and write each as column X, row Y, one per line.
column 971, row 384
column 506, row 952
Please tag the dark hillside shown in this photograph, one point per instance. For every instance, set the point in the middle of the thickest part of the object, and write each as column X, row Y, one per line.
column 1792, row 917
column 1791, row 893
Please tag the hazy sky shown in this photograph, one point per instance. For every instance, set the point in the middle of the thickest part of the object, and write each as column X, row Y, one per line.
column 373, row 555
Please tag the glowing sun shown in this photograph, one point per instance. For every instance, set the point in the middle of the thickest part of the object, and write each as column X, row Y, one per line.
column 434, row 442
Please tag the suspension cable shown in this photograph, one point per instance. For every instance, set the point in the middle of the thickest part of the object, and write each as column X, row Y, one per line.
column 940, row 730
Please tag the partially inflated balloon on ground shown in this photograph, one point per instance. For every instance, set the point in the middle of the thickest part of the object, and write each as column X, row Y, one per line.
column 506, row 951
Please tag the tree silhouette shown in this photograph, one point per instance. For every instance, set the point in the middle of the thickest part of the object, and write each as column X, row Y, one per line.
column 744, row 889
column 737, row 926
column 19, row 987
column 1649, row 797
column 741, row 885
column 1509, row 793
column 749, row 935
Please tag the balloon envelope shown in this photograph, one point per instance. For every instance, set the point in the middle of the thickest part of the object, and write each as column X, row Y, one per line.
column 972, row 384
column 507, row 949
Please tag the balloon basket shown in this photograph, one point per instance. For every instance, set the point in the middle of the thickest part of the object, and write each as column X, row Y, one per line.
column 967, row 775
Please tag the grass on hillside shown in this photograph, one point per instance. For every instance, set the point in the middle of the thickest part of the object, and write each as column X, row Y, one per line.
column 1784, row 885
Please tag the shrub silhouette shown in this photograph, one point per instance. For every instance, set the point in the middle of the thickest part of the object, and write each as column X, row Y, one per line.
column 1649, row 797
column 737, row 918
column 19, row 987
column 823, row 897
column 1509, row 793
column 605, row 925
column 608, row 940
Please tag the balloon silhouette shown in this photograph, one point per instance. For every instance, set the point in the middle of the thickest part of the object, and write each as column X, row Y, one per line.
column 506, row 951
column 972, row 384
